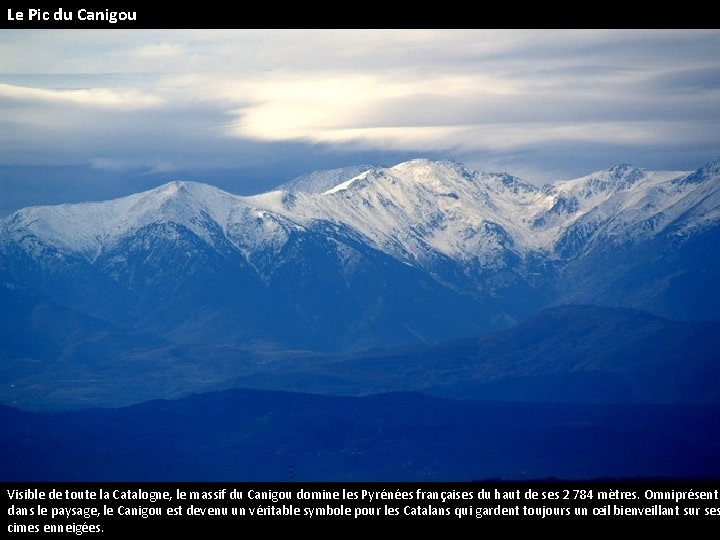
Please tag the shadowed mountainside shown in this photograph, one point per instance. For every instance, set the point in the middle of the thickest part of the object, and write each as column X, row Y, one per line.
column 570, row 353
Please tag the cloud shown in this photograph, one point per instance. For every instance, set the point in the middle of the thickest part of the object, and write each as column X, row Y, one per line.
column 475, row 112
column 499, row 137
column 683, row 81
column 159, row 51
column 132, row 165
column 89, row 97
column 324, row 109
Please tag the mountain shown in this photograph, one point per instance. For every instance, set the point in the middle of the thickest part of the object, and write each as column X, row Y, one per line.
column 245, row 435
column 420, row 252
column 580, row 354
column 54, row 357
column 656, row 254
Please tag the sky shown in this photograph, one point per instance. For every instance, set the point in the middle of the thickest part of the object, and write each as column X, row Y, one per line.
column 94, row 114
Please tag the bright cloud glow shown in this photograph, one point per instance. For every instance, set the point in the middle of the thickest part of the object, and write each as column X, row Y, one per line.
column 340, row 109
column 91, row 97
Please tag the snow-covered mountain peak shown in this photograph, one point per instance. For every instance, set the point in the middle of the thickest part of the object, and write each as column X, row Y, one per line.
column 196, row 191
column 610, row 180
column 611, row 190
column 421, row 170
column 183, row 188
column 622, row 170
column 190, row 196
column 89, row 228
column 712, row 167
column 417, row 175
column 443, row 178
column 422, row 166
column 421, row 209
column 709, row 171
column 175, row 187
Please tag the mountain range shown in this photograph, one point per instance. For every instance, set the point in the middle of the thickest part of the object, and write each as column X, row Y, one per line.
column 54, row 358
column 421, row 252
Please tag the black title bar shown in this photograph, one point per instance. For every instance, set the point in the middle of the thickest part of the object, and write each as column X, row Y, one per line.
column 365, row 16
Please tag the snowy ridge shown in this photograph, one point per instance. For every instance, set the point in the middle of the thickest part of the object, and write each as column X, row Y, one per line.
column 415, row 211
column 319, row 181
column 347, row 183
column 623, row 203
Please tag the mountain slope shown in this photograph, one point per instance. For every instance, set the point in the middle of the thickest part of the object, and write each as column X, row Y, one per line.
column 581, row 354
column 566, row 354
column 320, row 181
